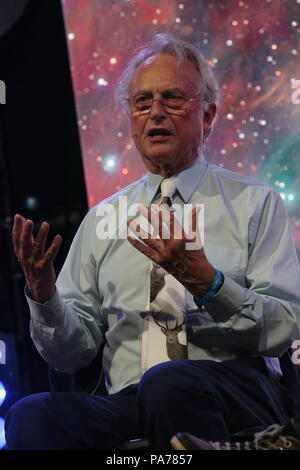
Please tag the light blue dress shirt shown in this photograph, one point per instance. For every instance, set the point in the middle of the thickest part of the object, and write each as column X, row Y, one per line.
column 103, row 288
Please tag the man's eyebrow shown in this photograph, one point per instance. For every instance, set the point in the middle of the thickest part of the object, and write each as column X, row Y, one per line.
column 174, row 90
column 142, row 92
column 150, row 93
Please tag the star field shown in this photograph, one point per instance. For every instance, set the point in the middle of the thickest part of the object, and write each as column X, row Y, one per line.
column 254, row 49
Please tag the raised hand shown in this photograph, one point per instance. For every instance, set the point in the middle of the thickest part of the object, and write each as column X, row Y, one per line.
column 37, row 264
column 179, row 253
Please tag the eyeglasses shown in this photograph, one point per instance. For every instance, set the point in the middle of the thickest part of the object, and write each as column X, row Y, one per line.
column 143, row 104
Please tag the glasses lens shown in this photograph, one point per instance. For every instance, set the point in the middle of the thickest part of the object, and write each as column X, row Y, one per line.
column 142, row 103
column 174, row 103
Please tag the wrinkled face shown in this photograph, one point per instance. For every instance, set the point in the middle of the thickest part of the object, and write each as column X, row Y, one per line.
column 168, row 139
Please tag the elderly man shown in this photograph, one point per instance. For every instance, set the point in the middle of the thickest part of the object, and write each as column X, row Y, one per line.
column 191, row 334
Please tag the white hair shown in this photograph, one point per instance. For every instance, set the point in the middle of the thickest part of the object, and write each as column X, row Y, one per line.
column 166, row 43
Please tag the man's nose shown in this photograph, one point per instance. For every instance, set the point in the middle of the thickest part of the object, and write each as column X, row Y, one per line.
column 158, row 112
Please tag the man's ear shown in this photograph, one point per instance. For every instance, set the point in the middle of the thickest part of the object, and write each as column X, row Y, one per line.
column 208, row 117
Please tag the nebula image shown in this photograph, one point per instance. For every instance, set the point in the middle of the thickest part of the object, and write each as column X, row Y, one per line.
column 253, row 47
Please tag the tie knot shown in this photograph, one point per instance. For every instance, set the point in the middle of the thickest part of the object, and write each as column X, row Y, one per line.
column 168, row 188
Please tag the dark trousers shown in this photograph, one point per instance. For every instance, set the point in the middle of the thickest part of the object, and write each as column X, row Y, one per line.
column 211, row 400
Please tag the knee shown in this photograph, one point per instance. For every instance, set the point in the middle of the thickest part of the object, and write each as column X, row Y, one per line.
column 25, row 409
column 160, row 381
column 175, row 378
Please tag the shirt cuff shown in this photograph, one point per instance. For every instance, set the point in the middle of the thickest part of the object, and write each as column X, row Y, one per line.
column 215, row 287
column 228, row 301
column 50, row 313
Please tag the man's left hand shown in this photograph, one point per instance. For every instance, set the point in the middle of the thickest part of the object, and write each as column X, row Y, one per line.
column 168, row 247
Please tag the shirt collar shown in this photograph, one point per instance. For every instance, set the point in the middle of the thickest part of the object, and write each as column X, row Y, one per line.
column 186, row 181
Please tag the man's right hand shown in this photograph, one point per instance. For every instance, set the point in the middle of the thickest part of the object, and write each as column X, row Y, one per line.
column 37, row 264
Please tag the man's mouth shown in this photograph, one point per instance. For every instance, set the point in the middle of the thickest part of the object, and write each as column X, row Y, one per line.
column 157, row 135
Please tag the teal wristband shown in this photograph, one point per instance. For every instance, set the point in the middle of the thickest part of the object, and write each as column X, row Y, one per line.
column 217, row 283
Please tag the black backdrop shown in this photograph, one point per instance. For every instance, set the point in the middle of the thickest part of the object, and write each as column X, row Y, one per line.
column 40, row 157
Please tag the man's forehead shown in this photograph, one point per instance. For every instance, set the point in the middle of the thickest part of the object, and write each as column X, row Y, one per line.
column 161, row 72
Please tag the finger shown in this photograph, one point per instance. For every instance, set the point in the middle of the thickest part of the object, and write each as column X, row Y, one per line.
column 194, row 217
column 26, row 243
column 192, row 228
column 154, row 216
column 137, row 230
column 161, row 221
column 146, row 250
column 40, row 240
column 193, row 236
column 52, row 251
column 177, row 229
column 145, row 239
column 145, row 211
column 170, row 220
column 155, row 220
column 17, row 232
column 148, row 214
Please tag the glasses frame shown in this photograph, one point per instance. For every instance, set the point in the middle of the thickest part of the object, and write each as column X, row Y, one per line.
column 147, row 111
